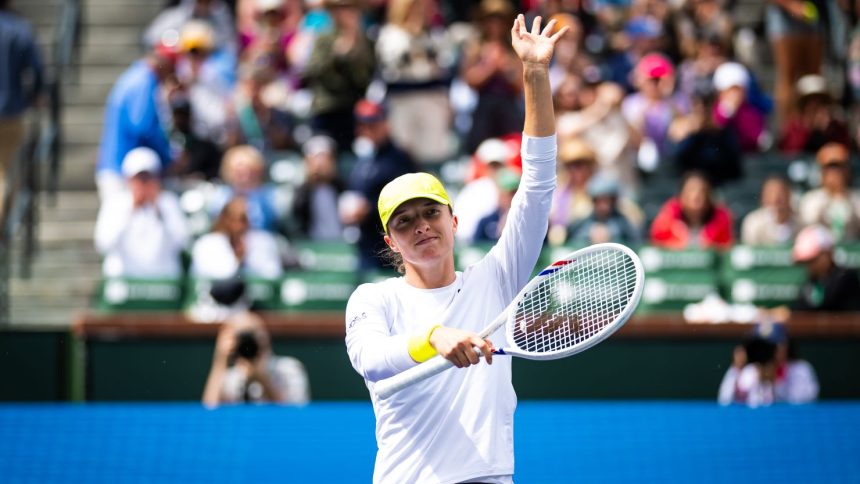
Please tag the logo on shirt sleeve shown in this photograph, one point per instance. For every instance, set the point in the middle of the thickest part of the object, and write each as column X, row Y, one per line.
column 355, row 320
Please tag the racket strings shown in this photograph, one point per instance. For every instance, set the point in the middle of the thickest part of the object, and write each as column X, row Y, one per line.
column 575, row 303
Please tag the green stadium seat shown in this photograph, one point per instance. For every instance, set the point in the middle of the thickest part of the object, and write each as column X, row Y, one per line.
column 466, row 255
column 263, row 293
column 124, row 294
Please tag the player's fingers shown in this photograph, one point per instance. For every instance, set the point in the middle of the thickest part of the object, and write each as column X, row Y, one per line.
column 488, row 353
column 521, row 19
column 548, row 28
column 559, row 34
column 515, row 30
column 536, row 25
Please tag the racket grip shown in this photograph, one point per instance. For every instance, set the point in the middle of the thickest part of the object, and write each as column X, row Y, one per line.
column 390, row 386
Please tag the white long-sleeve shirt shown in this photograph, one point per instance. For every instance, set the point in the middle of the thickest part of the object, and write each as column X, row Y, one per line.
column 142, row 242
column 212, row 256
column 456, row 426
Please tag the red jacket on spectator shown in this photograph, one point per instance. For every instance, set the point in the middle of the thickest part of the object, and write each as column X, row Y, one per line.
column 670, row 230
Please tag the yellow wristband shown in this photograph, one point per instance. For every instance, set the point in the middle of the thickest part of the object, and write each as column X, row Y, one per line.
column 420, row 348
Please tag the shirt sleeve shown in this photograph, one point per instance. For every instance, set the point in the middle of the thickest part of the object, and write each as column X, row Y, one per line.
column 175, row 225
column 374, row 352
column 521, row 239
column 112, row 222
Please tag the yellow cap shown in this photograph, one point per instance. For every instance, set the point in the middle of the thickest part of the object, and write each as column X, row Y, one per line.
column 409, row 187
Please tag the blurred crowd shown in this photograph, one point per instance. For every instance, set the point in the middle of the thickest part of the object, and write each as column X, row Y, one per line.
column 250, row 125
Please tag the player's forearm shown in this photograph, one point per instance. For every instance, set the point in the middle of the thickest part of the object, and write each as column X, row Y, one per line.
column 540, row 117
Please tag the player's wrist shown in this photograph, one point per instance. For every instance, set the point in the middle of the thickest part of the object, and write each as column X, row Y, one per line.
column 420, row 348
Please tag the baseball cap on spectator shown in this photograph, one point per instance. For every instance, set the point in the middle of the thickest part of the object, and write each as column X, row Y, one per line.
column 493, row 150
column 769, row 331
column 602, row 186
column 812, row 85
column 655, row 66
column 318, row 144
column 810, row 242
column 167, row 50
column 368, row 111
column 832, row 154
column 196, row 35
column 563, row 20
column 268, row 5
column 141, row 160
column 731, row 74
column 576, row 150
column 496, row 8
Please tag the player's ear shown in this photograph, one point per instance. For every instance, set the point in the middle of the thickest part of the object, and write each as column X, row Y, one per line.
column 390, row 243
column 456, row 222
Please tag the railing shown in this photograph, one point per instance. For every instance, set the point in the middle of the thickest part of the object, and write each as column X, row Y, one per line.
column 41, row 147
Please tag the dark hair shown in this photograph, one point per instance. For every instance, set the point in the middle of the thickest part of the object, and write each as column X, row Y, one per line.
column 760, row 351
column 393, row 259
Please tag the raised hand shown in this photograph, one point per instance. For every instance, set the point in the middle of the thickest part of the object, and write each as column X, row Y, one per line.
column 535, row 47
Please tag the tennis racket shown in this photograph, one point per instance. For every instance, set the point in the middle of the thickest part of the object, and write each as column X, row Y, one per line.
column 572, row 305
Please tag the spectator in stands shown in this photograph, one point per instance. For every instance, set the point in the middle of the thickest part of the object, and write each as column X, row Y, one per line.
column 596, row 117
column 751, row 378
column 606, row 223
column 380, row 160
column 338, row 72
column 245, row 369
column 652, row 108
column 693, row 219
column 491, row 68
column 243, row 170
column 816, row 122
column 233, row 248
column 828, row 287
column 268, row 37
column 315, row 202
column 702, row 144
column 208, row 92
column 793, row 26
column 166, row 27
column 795, row 380
column 775, row 222
column 260, row 118
column 834, row 205
column 416, row 62
column 734, row 110
column 490, row 227
column 141, row 232
column 571, row 202
column 479, row 197
column 133, row 117
column 21, row 82
column 199, row 158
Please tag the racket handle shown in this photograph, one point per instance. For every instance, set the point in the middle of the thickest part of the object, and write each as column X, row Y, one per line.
column 390, row 386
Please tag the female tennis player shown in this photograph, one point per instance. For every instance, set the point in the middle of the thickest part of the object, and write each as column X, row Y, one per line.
column 456, row 426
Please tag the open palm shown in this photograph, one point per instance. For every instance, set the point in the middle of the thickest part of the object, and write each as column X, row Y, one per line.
column 535, row 46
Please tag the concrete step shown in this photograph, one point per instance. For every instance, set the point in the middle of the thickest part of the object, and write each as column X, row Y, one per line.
column 73, row 232
column 58, row 318
column 89, row 94
column 121, row 12
column 83, row 133
column 105, row 54
column 118, row 36
column 101, row 74
column 82, row 114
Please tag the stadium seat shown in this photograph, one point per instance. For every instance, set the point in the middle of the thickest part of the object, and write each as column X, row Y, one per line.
column 329, row 257
column 313, row 291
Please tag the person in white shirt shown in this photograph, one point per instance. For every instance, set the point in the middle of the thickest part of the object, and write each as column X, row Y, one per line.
column 456, row 426
column 480, row 197
column 234, row 248
column 141, row 231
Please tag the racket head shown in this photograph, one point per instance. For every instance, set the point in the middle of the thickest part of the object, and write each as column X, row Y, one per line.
column 575, row 303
